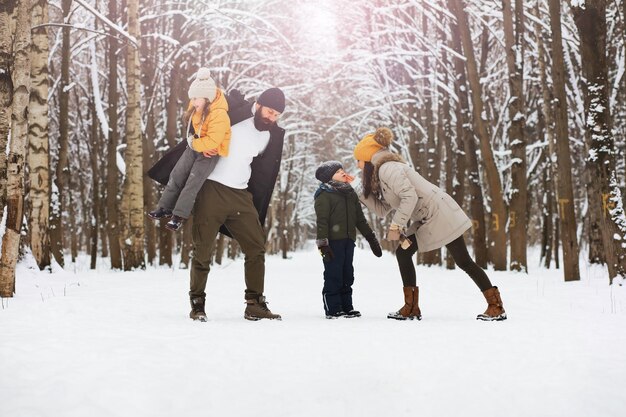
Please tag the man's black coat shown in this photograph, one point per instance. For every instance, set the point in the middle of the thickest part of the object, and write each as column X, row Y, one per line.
column 265, row 167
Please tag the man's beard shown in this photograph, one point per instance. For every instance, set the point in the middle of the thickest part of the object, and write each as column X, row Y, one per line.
column 262, row 123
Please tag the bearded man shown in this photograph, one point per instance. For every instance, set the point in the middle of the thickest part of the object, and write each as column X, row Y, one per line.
column 235, row 196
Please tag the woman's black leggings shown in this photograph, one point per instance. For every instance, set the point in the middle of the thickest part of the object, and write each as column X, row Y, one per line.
column 457, row 249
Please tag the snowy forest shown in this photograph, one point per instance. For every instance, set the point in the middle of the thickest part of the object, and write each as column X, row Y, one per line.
column 516, row 108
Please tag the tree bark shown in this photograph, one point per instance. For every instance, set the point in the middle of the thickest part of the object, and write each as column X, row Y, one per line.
column 38, row 159
column 466, row 148
column 171, row 134
column 565, row 194
column 94, row 150
column 498, row 247
column 62, row 170
column 549, row 201
column 513, row 38
column 6, row 89
column 149, row 46
column 433, row 169
column 187, row 244
column 132, row 228
column 17, row 150
column 112, row 222
column 165, row 244
column 590, row 18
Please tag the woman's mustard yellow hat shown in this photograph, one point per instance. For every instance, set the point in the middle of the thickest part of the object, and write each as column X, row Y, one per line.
column 372, row 143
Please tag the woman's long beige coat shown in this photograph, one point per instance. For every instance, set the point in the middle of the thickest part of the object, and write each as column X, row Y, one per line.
column 420, row 207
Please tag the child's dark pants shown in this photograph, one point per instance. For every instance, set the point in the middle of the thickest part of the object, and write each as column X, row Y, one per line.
column 339, row 277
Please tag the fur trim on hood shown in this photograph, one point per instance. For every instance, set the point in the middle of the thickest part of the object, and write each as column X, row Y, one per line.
column 386, row 156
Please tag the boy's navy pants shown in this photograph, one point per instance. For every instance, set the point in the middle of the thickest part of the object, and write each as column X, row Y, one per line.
column 339, row 277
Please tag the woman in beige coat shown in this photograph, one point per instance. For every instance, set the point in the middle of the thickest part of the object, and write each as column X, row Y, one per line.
column 425, row 218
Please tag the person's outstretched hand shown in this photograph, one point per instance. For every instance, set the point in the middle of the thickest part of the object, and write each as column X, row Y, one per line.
column 394, row 232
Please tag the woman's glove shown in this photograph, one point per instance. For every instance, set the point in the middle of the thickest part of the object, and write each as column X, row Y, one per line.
column 374, row 245
column 394, row 232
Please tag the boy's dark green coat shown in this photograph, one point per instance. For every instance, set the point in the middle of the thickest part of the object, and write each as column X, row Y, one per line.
column 339, row 214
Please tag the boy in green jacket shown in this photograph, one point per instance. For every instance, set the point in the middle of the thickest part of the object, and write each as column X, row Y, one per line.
column 339, row 214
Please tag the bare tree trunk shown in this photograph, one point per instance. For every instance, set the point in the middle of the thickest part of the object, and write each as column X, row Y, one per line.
column 62, row 170
column 480, row 128
column 6, row 89
column 165, row 244
column 38, row 161
column 514, row 40
column 171, row 133
column 549, row 201
column 94, row 150
column 72, row 215
column 445, row 138
column 17, row 150
column 149, row 149
column 565, row 192
column 590, row 19
column 467, row 156
column 433, row 169
column 547, row 215
column 219, row 249
column 113, row 230
column 132, row 228
column 187, row 246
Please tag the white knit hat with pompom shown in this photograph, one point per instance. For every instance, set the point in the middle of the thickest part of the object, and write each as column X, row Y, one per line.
column 203, row 86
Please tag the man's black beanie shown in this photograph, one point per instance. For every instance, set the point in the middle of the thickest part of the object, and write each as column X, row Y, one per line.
column 273, row 98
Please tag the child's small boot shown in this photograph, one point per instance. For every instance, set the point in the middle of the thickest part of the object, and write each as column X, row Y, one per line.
column 160, row 213
column 352, row 314
column 175, row 223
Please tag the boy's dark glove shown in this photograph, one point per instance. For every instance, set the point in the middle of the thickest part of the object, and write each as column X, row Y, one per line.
column 327, row 253
column 374, row 245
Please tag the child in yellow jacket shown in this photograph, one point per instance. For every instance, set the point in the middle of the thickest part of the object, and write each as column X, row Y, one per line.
column 207, row 114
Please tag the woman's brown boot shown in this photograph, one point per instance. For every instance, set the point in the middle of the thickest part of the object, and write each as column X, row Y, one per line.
column 410, row 310
column 495, row 309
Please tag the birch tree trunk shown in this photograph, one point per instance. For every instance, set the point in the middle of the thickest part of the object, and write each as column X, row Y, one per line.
column 132, row 216
column 514, row 41
column 6, row 89
column 590, row 18
column 17, row 150
column 38, row 159
column 498, row 211
column 112, row 221
column 565, row 194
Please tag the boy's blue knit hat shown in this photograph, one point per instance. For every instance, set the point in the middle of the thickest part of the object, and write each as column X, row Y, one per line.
column 325, row 172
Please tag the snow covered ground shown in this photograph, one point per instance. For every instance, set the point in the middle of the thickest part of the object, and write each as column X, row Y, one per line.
column 100, row 343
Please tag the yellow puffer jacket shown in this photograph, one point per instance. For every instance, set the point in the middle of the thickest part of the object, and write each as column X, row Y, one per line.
column 215, row 131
